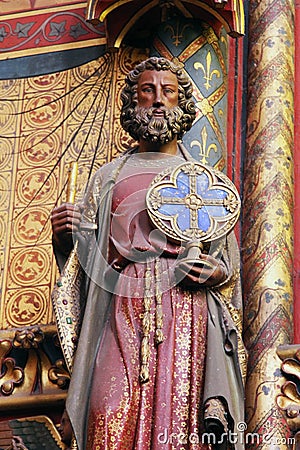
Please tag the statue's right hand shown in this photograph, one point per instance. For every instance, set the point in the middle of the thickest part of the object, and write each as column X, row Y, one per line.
column 65, row 220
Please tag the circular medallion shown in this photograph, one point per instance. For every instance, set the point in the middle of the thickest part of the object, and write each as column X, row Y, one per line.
column 26, row 307
column 85, row 143
column 32, row 225
column 10, row 87
column 193, row 202
column 122, row 140
column 43, row 110
column 40, row 148
column 48, row 81
column 90, row 71
column 30, row 266
column 87, row 103
column 129, row 58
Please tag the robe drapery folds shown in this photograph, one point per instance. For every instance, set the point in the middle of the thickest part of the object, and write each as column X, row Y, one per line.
column 196, row 371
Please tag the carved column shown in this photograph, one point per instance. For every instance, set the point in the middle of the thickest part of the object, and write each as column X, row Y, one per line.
column 268, row 215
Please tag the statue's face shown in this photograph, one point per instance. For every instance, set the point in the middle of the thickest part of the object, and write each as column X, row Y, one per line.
column 157, row 88
column 151, row 110
column 157, row 118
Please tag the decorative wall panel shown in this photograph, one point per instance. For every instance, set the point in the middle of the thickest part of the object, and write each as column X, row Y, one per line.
column 204, row 54
column 46, row 123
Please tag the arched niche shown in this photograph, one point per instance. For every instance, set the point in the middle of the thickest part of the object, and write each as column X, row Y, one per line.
column 197, row 34
column 120, row 16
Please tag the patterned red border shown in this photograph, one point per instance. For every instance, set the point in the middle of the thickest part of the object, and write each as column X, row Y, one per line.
column 29, row 32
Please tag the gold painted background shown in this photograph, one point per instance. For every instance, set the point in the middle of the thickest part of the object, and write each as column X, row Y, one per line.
column 46, row 122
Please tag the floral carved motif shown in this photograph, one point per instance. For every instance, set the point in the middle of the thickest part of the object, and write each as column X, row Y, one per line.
column 59, row 374
column 10, row 374
column 289, row 399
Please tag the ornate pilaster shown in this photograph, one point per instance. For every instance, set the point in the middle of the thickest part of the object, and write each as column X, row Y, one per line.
column 268, row 215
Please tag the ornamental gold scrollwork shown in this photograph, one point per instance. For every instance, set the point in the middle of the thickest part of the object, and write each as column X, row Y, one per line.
column 58, row 374
column 28, row 338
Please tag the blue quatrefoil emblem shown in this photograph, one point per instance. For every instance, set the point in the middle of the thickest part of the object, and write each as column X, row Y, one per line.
column 193, row 202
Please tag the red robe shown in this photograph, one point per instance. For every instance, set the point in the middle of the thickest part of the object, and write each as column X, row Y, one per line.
column 164, row 412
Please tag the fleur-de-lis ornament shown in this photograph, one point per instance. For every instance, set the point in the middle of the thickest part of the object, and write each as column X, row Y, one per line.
column 208, row 73
column 204, row 149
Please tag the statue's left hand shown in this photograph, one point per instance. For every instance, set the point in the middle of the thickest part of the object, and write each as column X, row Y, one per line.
column 207, row 272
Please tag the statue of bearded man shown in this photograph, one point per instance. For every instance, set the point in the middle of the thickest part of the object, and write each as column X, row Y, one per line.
column 157, row 361
column 174, row 122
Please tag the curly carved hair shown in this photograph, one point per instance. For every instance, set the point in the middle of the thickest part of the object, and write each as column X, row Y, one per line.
column 185, row 90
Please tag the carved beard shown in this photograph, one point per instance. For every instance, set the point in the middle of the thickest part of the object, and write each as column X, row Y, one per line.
column 157, row 129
